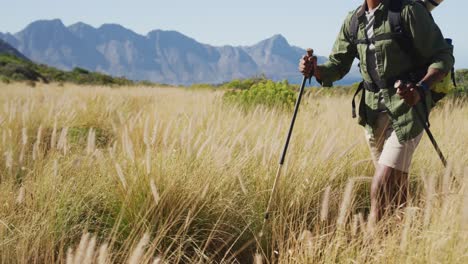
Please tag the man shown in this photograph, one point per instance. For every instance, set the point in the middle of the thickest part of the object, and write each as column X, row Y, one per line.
column 386, row 112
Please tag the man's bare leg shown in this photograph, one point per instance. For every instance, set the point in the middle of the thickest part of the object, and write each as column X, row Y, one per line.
column 402, row 192
column 389, row 188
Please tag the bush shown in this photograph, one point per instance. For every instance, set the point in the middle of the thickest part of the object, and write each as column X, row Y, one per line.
column 203, row 86
column 78, row 70
column 266, row 93
column 462, row 84
column 17, row 69
column 4, row 79
column 244, row 84
column 31, row 83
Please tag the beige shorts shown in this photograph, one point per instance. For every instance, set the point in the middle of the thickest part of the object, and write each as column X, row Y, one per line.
column 385, row 147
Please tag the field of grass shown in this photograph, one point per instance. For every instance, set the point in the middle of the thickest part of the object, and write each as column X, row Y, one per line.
column 166, row 175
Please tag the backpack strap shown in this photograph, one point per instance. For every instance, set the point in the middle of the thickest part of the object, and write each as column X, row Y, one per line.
column 434, row 3
column 394, row 15
column 396, row 25
column 354, row 27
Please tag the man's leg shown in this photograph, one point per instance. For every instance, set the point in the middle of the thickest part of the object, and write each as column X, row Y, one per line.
column 402, row 188
column 390, row 183
column 382, row 174
column 389, row 189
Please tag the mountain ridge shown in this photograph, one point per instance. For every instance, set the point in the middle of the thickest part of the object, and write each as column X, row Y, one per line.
column 163, row 56
column 6, row 48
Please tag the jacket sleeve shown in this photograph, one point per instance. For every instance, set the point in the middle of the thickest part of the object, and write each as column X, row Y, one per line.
column 427, row 38
column 341, row 58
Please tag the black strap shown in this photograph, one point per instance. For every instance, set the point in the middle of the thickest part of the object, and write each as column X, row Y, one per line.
column 434, row 3
column 353, row 103
column 385, row 36
column 454, row 80
column 402, row 37
column 394, row 19
column 394, row 15
column 354, row 27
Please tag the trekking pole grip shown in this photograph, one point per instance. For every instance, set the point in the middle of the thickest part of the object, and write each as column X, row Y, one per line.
column 310, row 54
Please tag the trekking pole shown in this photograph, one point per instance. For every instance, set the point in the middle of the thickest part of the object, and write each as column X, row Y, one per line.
column 431, row 137
column 310, row 53
column 398, row 84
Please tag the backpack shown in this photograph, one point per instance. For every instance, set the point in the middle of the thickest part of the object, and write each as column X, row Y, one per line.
column 403, row 39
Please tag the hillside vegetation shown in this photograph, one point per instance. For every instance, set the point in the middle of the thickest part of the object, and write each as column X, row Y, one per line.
column 13, row 68
column 462, row 82
column 91, row 174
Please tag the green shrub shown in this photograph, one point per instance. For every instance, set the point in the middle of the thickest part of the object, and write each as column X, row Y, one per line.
column 78, row 70
column 202, row 86
column 462, row 84
column 244, row 84
column 17, row 69
column 4, row 79
column 79, row 134
column 266, row 93
column 31, row 83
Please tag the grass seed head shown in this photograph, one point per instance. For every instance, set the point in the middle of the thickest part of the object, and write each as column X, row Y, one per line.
column 89, row 254
column 154, row 191
column 70, row 256
column 81, row 250
column 53, row 137
column 21, row 194
column 139, row 250
column 325, row 204
column 103, row 254
column 148, row 160
column 157, row 260
column 345, row 204
column 121, row 175
column 24, row 134
column 258, row 259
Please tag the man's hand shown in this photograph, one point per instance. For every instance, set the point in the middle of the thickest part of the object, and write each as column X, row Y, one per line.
column 408, row 92
column 308, row 66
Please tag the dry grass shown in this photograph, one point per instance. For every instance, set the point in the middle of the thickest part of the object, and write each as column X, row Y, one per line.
column 140, row 175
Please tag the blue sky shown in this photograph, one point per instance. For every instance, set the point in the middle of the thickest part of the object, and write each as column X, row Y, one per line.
column 312, row 23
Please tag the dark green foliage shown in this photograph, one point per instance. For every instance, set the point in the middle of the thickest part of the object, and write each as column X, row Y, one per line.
column 462, row 83
column 244, row 84
column 78, row 70
column 265, row 92
column 203, row 86
column 151, row 84
column 16, row 69
column 79, row 135
column 13, row 68
column 4, row 79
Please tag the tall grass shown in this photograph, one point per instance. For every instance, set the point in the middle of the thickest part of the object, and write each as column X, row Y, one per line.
column 140, row 175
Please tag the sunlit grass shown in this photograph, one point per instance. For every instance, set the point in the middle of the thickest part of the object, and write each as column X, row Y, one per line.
column 148, row 175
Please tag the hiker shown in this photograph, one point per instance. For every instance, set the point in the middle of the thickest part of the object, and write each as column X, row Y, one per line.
column 398, row 45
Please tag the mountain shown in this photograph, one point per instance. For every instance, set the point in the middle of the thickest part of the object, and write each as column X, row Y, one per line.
column 276, row 57
column 50, row 42
column 160, row 56
column 7, row 49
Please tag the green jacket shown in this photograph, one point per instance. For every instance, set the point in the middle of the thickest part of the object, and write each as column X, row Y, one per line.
column 428, row 43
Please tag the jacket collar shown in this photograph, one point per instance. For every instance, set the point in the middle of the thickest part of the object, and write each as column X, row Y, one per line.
column 362, row 10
